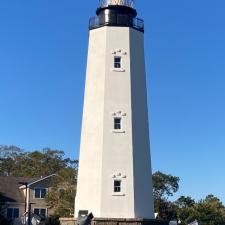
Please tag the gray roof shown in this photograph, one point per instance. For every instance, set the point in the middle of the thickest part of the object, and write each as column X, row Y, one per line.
column 9, row 188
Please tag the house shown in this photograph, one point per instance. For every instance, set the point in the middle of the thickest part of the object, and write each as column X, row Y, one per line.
column 17, row 194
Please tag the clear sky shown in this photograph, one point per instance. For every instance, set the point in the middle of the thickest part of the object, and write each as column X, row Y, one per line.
column 43, row 49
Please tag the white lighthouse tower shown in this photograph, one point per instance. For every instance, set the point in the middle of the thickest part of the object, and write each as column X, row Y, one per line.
column 114, row 178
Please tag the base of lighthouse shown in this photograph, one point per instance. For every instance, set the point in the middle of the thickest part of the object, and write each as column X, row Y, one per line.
column 108, row 221
column 101, row 221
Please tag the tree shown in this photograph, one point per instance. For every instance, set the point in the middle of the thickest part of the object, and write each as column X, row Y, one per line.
column 185, row 202
column 185, row 209
column 209, row 211
column 62, row 194
column 164, row 186
column 34, row 164
column 7, row 156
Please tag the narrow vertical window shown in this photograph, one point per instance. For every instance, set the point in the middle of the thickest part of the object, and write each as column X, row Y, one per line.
column 117, row 186
column 117, row 62
column 117, row 123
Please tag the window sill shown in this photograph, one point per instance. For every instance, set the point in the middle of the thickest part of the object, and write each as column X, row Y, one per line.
column 118, row 194
column 118, row 70
column 118, row 131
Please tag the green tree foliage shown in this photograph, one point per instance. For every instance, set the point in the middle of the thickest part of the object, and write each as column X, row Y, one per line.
column 62, row 194
column 209, row 211
column 185, row 202
column 185, row 209
column 34, row 164
column 164, row 186
column 7, row 155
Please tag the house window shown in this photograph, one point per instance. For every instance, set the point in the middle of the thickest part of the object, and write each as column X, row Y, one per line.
column 117, row 62
column 40, row 192
column 117, row 185
column 117, row 123
column 12, row 213
column 40, row 212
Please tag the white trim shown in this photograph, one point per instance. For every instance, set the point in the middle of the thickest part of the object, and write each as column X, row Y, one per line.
column 118, row 131
column 118, row 70
column 114, row 194
column 34, row 182
column 41, row 179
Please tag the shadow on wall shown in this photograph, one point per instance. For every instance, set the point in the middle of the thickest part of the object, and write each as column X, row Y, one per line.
column 4, row 199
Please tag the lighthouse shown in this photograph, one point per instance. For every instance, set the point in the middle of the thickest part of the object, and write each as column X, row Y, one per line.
column 114, row 177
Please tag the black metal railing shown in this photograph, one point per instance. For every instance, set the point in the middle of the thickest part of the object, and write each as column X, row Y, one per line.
column 106, row 3
column 96, row 22
column 138, row 24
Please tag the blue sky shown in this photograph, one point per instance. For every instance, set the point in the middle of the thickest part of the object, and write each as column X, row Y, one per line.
column 43, row 48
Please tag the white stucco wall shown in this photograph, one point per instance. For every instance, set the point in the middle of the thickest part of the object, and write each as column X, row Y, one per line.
column 106, row 154
column 90, row 160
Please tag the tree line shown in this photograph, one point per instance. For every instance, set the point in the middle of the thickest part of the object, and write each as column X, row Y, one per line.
column 17, row 162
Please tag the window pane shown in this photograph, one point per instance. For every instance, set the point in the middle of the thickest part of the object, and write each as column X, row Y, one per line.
column 40, row 212
column 117, row 185
column 43, row 193
column 43, row 212
column 16, row 213
column 117, row 123
column 117, row 59
column 117, row 62
column 37, row 193
column 36, row 211
column 9, row 213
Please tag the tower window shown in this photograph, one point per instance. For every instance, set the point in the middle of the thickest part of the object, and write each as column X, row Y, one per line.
column 117, row 185
column 117, row 123
column 117, row 62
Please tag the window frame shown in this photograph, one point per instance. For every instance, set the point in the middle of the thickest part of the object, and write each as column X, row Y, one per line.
column 117, row 188
column 13, row 212
column 117, row 125
column 40, row 194
column 39, row 209
column 117, row 64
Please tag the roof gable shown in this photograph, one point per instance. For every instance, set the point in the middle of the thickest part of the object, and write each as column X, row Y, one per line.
column 9, row 188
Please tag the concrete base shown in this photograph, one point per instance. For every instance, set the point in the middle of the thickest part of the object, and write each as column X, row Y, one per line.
column 67, row 221
column 104, row 221
column 101, row 221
